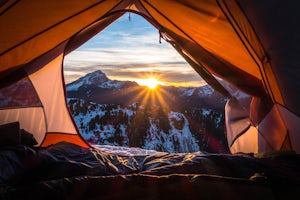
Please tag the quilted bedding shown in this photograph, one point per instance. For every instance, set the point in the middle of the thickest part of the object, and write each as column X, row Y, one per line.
column 68, row 171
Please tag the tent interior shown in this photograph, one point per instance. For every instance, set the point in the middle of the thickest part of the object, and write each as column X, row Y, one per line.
column 251, row 45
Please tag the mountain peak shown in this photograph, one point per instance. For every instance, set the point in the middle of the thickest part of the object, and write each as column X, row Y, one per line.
column 95, row 78
column 100, row 80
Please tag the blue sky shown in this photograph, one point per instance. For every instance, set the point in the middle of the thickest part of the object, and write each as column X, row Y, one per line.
column 130, row 50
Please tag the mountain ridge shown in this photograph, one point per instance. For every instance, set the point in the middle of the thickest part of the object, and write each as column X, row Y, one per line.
column 99, row 79
column 96, row 87
column 170, row 119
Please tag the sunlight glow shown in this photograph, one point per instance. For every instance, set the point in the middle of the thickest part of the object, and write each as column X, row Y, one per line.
column 149, row 82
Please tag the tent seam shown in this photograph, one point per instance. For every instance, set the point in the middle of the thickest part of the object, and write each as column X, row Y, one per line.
column 200, row 64
column 244, row 40
column 49, row 28
column 65, row 100
column 240, row 134
column 9, row 7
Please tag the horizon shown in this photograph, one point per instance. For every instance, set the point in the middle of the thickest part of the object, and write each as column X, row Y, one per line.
column 131, row 51
column 144, row 85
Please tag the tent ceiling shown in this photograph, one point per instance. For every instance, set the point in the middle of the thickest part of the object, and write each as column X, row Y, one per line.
column 251, row 44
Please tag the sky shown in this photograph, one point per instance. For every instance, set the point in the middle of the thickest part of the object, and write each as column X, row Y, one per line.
column 130, row 50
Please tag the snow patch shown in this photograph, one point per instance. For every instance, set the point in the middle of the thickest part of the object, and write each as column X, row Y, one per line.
column 74, row 86
column 205, row 91
column 188, row 91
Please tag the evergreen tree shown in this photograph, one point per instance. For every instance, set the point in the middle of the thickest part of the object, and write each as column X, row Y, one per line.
column 138, row 128
column 118, row 138
column 163, row 120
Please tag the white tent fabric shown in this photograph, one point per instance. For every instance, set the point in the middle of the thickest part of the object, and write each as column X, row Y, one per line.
column 31, row 119
column 53, row 98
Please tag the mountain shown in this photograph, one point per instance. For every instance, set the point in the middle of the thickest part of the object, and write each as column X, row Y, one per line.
column 172, row 119
column 99, row 80
column 96, row 87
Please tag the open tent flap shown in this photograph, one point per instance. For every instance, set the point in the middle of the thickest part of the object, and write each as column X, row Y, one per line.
column 251, row 45
column 45, row 111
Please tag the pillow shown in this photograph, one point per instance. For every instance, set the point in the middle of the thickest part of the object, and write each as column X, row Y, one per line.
column 10, row 133
column 27, row 138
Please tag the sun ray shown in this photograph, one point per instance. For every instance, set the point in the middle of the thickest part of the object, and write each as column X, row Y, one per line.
column 153, row 95
column 162, row 95
column 139, row 96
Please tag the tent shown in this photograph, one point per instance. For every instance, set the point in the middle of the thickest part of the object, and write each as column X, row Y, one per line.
column 249, row 45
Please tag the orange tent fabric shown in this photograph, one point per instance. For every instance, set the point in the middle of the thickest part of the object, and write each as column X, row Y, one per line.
column 250, row 45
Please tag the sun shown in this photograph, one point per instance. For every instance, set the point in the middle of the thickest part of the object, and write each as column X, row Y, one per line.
column 151, row 83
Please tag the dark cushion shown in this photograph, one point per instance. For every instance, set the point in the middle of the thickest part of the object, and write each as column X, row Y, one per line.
column 27, row 138
column 10, row 133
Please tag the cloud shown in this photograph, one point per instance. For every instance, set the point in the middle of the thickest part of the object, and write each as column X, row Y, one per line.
column 125, row 55
column 130, row 51
column 169, row 73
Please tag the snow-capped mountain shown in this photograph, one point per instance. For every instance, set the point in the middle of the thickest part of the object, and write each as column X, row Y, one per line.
column 188, row 120
column 100, row 80
column 96, row 87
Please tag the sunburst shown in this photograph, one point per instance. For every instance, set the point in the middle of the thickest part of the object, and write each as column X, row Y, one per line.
column 151, row 83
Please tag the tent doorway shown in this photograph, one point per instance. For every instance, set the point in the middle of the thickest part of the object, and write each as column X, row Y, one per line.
column 107, row 95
